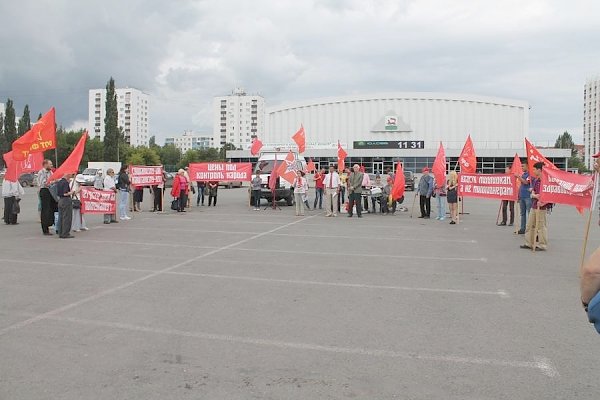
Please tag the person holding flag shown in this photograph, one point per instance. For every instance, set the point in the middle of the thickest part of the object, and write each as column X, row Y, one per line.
column 452, row 196
column 536, row 233
column 65, row 206
column 507, row 205
column 48, row 205
column 524, row 197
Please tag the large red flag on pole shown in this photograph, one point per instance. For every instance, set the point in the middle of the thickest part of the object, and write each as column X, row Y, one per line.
column 256, row 146
column 71, row 164
column 41, row 137
column 310, row 167
column 467, row 159
column 287, row 169
column 341, row 157
column 300, row 139
column 399, row 182
column 534, row 156
column 516, row 167
column 439, row 166
column 14, row 169
column 273, row 177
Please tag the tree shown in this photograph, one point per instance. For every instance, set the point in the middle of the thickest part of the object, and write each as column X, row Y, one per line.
column 3, row 141
column 10, row 128
column 565, row 141
column 24, row 122
column 224, row 149
column 170, row 156
column 94, row 150
column 190, row 156
column 39, row 116
column 111, row 128
column 143, row 156
column 152, row 141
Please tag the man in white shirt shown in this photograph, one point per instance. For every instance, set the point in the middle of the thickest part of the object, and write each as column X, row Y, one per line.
column 12, row 192
column 332, row 189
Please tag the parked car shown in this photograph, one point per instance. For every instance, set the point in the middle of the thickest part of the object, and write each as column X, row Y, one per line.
column 409, row 180
column 87, row 177
column 28, row 179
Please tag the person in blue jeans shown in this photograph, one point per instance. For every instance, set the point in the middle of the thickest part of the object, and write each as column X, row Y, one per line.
column 123, row 184
column 524, row 198
column 201, row 188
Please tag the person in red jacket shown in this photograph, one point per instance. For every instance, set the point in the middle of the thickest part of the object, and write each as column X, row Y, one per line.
column 180, row 190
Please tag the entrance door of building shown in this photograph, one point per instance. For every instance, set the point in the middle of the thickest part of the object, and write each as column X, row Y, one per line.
column 378, row 167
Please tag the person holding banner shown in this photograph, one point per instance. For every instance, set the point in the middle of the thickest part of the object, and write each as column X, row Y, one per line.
column 452, row 196
column 524, row 198
column 78, row 223
column 123, row 184
column 180, row 190
column 109, row 184
column 510, row 205
column 65, row 206
column 536, row 231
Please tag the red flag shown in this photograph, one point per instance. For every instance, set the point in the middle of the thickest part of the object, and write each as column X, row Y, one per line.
column 71, row 164
column 439, row 166
column 341, row 157
column 287, row 169
column 310, row 167
column 41, row 137
column 300, row 139
column 534, row 156
column 468, row 159
column 517, row 166
column 14, row 169
column 274, row 175
column 256, row 146
column 398, row 187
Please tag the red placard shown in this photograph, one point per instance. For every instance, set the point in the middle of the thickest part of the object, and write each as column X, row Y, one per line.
column 563, row 187
column 489, row 186
column 95, row 201
column 144, row 175
column 220, row 171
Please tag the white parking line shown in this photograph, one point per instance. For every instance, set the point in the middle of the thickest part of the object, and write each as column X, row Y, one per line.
column 107, row 292
column 501, row 293
column 365, row 255
column 542, row 365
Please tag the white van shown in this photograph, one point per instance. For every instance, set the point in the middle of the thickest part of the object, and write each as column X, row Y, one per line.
column 87, row 177
column 264, row 167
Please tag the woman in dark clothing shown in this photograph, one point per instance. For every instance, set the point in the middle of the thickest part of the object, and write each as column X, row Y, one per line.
column 138, row 198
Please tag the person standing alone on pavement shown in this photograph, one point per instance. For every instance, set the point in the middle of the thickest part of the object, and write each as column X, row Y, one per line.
column 355, row 180
column 65, row 206
column 256, row 190
column 48, row 205
column 425, row 190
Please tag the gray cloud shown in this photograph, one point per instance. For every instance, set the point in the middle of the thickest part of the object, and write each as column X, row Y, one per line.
column 185, row 52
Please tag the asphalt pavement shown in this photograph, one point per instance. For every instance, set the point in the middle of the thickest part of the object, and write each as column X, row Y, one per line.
column 230, row 303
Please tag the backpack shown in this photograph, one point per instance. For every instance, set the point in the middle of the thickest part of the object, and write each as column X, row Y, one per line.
column 53, row 189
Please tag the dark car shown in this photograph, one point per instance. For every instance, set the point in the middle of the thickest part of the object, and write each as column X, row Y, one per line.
column 27, row 179
column 409, row 180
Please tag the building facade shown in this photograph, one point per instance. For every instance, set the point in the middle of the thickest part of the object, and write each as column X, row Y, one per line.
column 380, row 129
column 237, row 117
column 191, row 141
column 132, row 109
column 591, row 120
column 2, row 109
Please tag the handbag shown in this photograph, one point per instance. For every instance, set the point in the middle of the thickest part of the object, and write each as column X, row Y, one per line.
column 76, row 204
column 16, row 207
column 175, row 204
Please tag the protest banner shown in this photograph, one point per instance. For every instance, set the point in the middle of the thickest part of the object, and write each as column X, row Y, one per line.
column 220, row 171
column 489, row 186
column 563, row 187
column 144, row 175
column 95, row 201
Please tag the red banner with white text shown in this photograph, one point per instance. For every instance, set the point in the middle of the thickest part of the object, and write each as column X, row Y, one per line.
column 220, row 171
column 95, row 201
column 144, row 175
column 563, row 187
column 489, row 186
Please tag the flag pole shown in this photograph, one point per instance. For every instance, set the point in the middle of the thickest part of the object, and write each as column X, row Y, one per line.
column 589, row 221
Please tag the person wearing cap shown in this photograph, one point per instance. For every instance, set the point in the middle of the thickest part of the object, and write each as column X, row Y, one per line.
column 425, row 189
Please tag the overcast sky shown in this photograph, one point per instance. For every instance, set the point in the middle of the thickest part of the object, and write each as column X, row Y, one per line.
column 185, row 52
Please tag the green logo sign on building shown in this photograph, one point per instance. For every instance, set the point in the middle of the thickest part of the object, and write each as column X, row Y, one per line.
column 391, row 123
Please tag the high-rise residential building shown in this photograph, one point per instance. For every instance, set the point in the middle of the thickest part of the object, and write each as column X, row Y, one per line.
column 238, row 117
column 2, row 109
column 132, row 109
column 190, row 141
column 591, row 120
